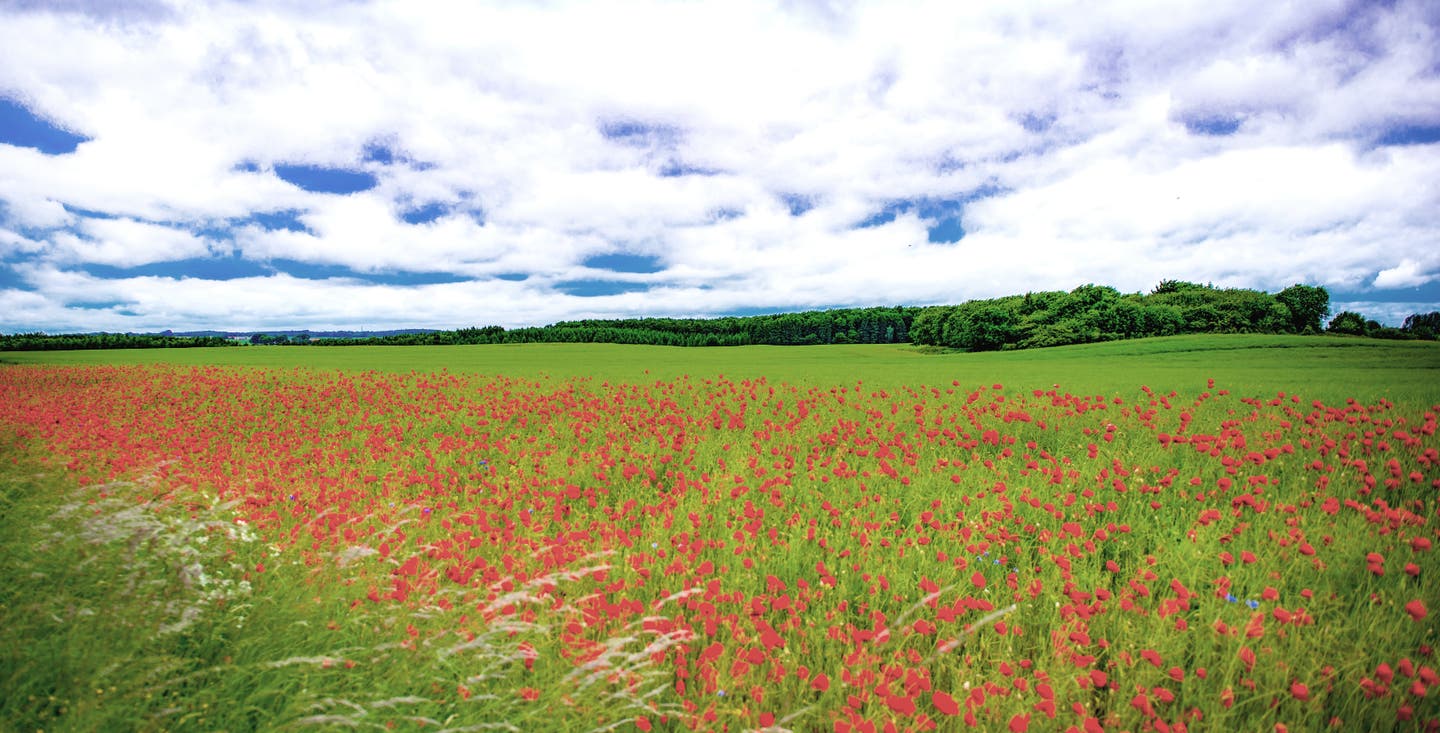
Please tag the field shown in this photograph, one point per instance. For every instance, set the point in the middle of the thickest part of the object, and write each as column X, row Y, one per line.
column 1215, row 533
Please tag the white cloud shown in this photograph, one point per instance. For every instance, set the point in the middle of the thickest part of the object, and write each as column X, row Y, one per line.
column 14, row 243
column 128, row 243
column 1407, row 274
column 1073, row 116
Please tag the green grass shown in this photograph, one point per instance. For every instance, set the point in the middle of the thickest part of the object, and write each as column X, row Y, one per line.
column 1356, row 367
column 96, row 580
column 126, row 613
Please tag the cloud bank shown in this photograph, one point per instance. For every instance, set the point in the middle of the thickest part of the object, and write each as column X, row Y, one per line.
column 194, row 165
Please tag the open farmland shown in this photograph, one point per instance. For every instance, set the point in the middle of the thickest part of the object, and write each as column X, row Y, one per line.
column 1203, row 532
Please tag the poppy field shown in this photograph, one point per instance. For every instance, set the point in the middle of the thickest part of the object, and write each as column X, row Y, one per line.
column 206, row 547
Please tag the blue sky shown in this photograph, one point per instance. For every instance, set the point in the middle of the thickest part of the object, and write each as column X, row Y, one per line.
column 223, row 165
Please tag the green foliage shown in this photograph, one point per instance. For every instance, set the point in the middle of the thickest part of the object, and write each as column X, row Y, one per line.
column 1347, row 322
column 1093, row 313
column 1423, row 325
column 1307, row 306
column 880, row 325
column 1224, row 310
column 928, row 323
column 38, row 341
column 1163, row 320
column 983, row 325
column 1055, row 334
column 1087, row 314
column 1176, row 286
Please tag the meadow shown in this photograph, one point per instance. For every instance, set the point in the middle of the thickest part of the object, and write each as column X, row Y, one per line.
column 1215, row 533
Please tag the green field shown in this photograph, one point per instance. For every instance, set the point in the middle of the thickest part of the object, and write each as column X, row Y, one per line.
column 1258, row 364
column 1132, row 535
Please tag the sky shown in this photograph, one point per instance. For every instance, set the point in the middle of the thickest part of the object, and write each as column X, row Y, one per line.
column 346, row 164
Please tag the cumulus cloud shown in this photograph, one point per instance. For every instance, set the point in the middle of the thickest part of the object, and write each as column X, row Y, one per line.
column 127, row 243
column 774, row 157
column 1407, row 274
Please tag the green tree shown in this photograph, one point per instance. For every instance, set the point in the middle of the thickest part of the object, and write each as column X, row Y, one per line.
column 984, row 325
column 1162, row 320
column 1175, row 286
column 927, row 327
column 1308, row 306
column 1348, row 322
column 1423, row 325
column 1081, row 301
column 1056, row 334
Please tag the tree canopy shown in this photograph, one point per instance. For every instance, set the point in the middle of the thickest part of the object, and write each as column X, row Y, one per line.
column 1100, row 313
column 1085, row 314
column 1308, row 305
column 38, row 341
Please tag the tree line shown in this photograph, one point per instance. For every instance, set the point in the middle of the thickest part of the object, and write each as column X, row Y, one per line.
column 39, row 341
column 1092, row 313
column 1087, row 314
column 1417, row 326
column 879, row 325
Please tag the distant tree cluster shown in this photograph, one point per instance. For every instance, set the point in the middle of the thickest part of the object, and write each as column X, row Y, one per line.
column 64, row 342
column 1093, row 313
column 881, row 325
column 1423, row 326
column 279, row 339
column 1086, row 314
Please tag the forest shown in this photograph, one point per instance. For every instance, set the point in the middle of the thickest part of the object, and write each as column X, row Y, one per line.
column 880, row 325
column 74, row 341
column 1086, row 314
column 1092, row 313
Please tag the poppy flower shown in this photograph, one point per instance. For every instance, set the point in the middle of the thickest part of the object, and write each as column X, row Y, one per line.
column 945, row 703
column 1416, row 609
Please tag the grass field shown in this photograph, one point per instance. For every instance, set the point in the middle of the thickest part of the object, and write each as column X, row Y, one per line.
column 1211, row 533
column 1356, row 367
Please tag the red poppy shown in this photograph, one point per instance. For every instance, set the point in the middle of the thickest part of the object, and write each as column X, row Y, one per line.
column 945, row 703
column 1416, row 609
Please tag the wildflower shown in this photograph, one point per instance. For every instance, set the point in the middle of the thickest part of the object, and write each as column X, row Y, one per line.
column 1416, row 609
column 945, row 703
column 900, row 704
